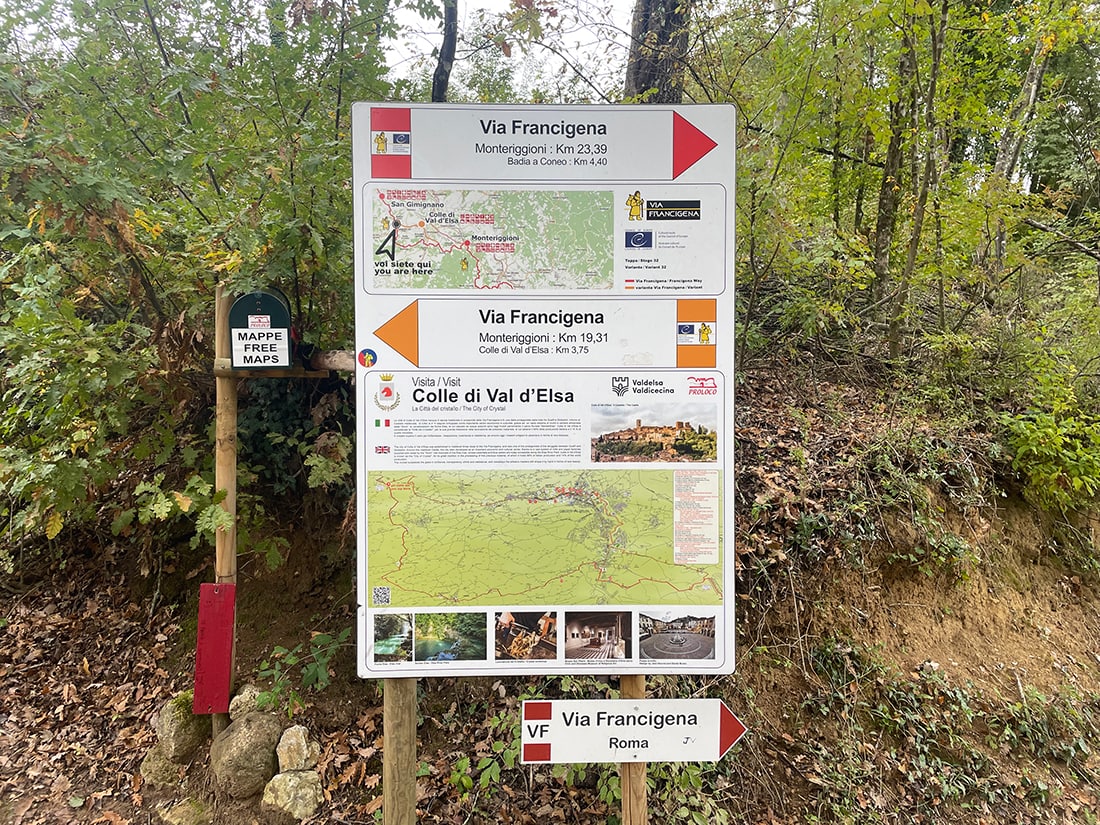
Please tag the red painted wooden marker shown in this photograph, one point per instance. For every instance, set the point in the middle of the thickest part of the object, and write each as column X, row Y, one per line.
column 214, row 648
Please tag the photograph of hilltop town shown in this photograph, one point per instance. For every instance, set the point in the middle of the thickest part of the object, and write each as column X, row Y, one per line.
column 654, row 432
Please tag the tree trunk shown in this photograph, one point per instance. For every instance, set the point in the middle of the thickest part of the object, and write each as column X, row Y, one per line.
column 929, row 178
column 658, row 42
column 442, row 75
column 1011, row 145
column 1021, row 113
column 837, row 169
column 890, row 191
column 864, row 152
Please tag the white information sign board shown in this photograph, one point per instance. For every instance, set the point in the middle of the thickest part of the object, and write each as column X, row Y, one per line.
column 627, row 730
column 544, row 326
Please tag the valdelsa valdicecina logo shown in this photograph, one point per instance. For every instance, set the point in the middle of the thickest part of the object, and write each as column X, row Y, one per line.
column 620, row 384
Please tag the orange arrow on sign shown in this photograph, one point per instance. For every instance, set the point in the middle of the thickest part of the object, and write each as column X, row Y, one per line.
column 402, row 333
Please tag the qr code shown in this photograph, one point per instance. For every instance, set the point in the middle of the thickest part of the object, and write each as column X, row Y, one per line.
column 380, row 595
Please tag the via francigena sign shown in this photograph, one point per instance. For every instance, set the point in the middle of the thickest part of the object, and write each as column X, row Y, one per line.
column 544, row 330
column 627, row 730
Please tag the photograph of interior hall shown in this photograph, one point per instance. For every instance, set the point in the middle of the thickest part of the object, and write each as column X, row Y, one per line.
column 597, row 635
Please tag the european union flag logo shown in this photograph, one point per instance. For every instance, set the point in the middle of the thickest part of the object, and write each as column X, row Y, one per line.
column 639, row 240
column 685, row 329
column 401, row 138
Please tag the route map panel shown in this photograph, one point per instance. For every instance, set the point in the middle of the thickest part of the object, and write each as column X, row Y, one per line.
column 493, row 239
column 557, row 239
column 603, row 537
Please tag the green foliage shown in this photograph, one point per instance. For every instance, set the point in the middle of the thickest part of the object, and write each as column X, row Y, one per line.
column 313, row 666
column 291, row 434
column 932, row 737
column 60, row 446
column 1059, row 727
column 1054, row 443
column 505, row 739
column 153, row 503
column 144, row 157
column 700, row 446
column 460, row 777
column 692, row 793
column 630, row 448
column 687, row 792
column 935, row 549
column 919, row 476
column 947, row 262
column 1058, row 454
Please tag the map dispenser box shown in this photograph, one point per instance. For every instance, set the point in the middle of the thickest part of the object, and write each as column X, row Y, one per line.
column 259, row 331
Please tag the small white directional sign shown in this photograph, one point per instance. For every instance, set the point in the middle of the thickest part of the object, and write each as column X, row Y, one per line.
column 627, row 730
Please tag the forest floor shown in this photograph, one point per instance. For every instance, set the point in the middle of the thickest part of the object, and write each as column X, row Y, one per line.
column 915, row 644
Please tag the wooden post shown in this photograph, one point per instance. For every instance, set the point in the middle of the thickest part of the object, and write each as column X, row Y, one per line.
column 632, row 775
column 225, row 472
column 399, row 751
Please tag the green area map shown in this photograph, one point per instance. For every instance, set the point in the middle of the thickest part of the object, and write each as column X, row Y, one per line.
column 531, row 537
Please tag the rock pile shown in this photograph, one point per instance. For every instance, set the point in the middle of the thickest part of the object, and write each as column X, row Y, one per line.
column 243, row 759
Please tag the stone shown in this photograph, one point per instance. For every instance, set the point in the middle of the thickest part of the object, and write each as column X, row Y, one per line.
column 297, row 752
column 297, row 793
column 245, row 701
column 242, row 757
column 158, row 770
column 187, row 812
column 180, row 732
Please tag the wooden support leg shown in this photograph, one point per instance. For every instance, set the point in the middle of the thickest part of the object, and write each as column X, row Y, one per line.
column 225, row 474
column 632, row 775
column 399, row 751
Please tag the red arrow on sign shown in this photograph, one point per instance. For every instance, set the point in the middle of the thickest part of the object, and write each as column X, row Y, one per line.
column 730, row 730
column 689, row 145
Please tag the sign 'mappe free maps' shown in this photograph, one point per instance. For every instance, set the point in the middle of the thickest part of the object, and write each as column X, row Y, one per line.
column 544, row 327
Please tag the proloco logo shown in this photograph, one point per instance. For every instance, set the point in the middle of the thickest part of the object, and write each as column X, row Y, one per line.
column 620, row 384
column 702, row 386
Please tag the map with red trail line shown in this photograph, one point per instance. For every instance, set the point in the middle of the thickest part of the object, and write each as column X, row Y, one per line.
column 495, row 239
column 468, row 538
